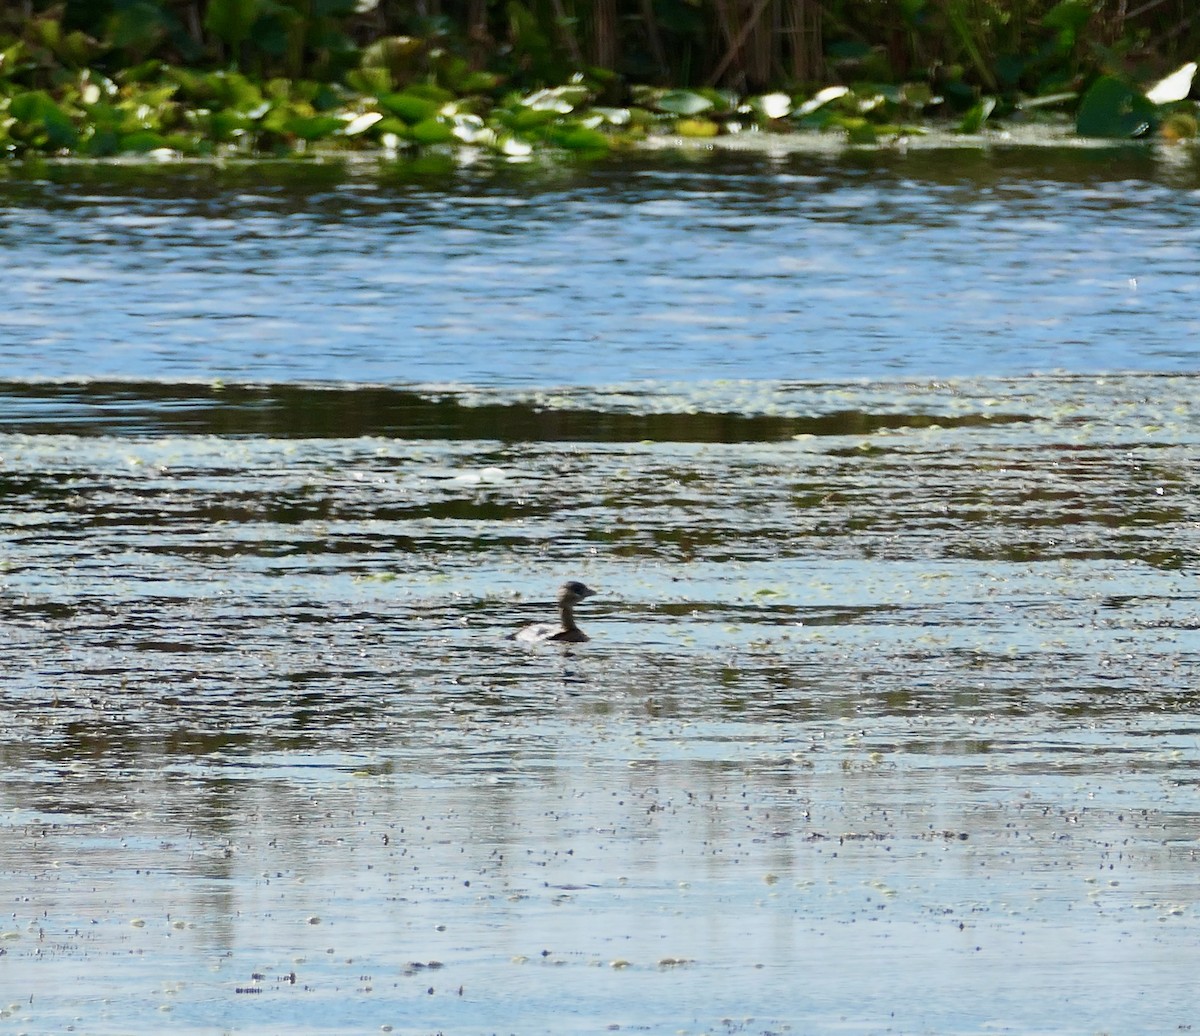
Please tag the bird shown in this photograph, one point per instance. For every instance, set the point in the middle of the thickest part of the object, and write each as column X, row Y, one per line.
column 565, row 632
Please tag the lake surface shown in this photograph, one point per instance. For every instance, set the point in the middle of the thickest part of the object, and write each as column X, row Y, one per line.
column 884, row 466
column 744, row 266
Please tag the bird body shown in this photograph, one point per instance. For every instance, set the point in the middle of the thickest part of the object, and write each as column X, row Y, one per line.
column 543, row 632
column 564, row 632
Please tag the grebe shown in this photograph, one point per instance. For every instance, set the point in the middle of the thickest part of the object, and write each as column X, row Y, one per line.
column 569, row 595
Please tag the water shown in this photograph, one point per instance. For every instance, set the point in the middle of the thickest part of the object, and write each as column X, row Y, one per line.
column 888, row 719
column 927, row 264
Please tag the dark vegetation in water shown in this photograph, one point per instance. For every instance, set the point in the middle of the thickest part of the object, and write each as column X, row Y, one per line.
column 211, row 77
column 295, row 411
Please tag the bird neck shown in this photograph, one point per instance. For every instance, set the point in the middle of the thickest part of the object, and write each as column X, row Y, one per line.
column 567, row 610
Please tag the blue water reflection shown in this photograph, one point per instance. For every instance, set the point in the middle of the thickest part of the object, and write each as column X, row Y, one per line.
column 650, row 268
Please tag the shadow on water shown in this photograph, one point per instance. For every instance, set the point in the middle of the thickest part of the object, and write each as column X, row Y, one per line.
column 264, row 182
column 155, row 408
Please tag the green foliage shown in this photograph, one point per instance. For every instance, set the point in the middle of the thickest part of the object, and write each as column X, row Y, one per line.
column 410, row 106
column 1068, row 19
column 232, row 20
column 391, row 62
column 1115, row 108
column 103, row 77
column 683, row 102
column 311, row 127
column 431, row 131
column 974, row 119
column 531, row 37
column 40, row 122
column 578, row 137
column 868, row 113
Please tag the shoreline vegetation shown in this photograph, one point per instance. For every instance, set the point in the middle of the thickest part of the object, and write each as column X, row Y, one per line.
column 218, row 78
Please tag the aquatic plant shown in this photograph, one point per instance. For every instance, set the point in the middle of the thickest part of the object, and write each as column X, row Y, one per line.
column 199, row 77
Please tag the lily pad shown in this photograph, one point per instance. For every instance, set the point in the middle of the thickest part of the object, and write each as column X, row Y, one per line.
column 973, row 121
column 513, row 147
column 141, row 141
column 560, row 99
column 361, row 123
column 697, row 128
column 820, row 99
column 581, row 138
column 771, row 106
column 530, row 118
column 313, row 127
column 614, row 116
column 1114, row 108
column 431, row 131
column 858, row 130
column 1174, row 87
column 42, row 116
column 683, row 102
column 410, row 106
